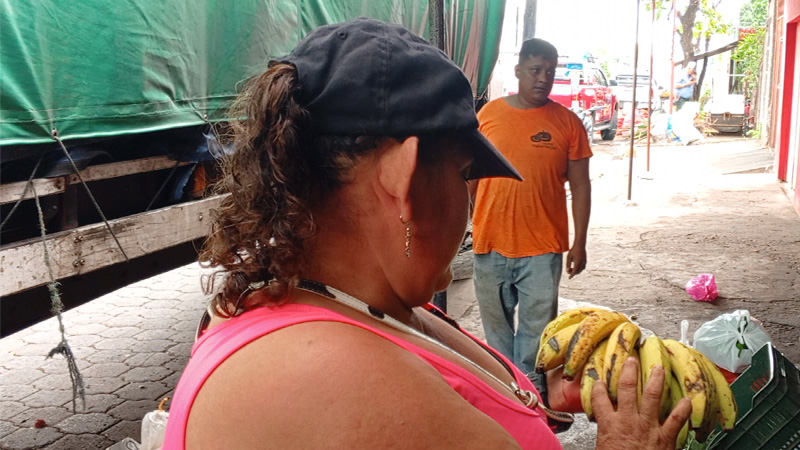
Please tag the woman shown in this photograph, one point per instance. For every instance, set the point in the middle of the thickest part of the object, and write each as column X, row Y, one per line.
column 348, row 200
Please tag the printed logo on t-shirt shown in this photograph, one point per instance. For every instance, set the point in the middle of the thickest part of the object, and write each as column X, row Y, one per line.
column 542, row 136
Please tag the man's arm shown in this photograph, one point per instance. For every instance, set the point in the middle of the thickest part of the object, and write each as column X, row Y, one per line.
column 581, row 187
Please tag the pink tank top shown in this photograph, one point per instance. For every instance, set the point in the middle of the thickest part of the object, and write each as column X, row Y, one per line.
column 528, row 427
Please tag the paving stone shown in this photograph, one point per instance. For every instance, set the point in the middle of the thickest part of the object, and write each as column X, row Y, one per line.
column 86, row 423
column 11, row 409
column 80, row 342
column 33, row 349
column 106, row 370
column 86, row 328
column 108, row 356
column 134, row 292
column 160, row 323
column 103, row 385
column 82, row 442
column 178, row 364
column 172, row 380
column 15, row 392
column 101, row 403
column 54, row 381
column 153, row 346
column 149, row 390
column 43, row 337
column 127, row 320
column 162, row 300
column 117, row 332
column 159, row 313
column 50, row 414
column 20, row 362
column 85, row 319
column 30, row 438
column 149, row 359
column 20, row 376
column 126, row 428
column 153, row 335
column 134, row 410
column 117, row 344
column 140, row 374
column 182, row 349
column 47, row 397
column 6, row 428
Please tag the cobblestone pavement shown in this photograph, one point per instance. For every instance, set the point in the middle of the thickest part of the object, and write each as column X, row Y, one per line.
column 130, row 346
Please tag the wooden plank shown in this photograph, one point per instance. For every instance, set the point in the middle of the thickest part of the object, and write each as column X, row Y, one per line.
column 92, row 247
column 11, row 192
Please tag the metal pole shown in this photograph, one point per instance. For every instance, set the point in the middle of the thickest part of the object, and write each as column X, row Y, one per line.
column 650, row 91
column 436, row 25
column 672, row 59
column 633, row 102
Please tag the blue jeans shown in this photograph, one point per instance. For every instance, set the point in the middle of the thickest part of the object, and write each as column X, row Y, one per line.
column 502, row 284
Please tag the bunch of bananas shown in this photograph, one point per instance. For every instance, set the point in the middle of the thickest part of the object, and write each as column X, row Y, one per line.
column 595, row 342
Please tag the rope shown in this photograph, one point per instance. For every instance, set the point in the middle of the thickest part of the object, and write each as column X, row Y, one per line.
column 54, row 135
column 24, row 191
column 57, row 307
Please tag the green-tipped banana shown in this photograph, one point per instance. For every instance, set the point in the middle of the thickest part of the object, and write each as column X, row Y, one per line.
column 553, row 351
column 727, row 403
column 712, row 402
column 651, row 354
column 591, row 373
column 565, row 319
column 690, row 378
column 621, row 344
column 592, row 330
column 676, row 394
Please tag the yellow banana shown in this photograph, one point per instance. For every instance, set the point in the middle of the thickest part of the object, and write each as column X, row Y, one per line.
column 593, row 329
column 565, row 319
column 690, row 378
column 727, row 403
column 676, row 394
column 712, row 402
column 591, row 373
column 623, row 340
column 653, row 353
column 553, row 352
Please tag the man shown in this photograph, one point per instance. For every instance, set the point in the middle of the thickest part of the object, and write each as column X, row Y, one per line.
column 521, row 228
column 685, row 87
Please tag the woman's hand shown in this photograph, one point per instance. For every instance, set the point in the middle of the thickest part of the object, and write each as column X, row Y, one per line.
column 631, row 426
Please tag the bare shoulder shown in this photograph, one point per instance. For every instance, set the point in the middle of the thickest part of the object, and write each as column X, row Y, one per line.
column 333, row 385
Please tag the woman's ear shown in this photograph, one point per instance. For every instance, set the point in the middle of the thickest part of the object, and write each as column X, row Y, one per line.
column 396, row 167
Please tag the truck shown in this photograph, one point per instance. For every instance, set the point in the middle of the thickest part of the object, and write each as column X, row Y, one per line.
column 581, row 85
column 623, row 88
column 110, row 115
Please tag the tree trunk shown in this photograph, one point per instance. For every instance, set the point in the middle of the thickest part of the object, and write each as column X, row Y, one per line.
column 687, row 19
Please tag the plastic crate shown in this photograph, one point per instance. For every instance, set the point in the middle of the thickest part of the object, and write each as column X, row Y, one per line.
column 768, row 397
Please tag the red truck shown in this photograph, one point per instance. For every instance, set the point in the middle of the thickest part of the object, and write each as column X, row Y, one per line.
column 581, row 85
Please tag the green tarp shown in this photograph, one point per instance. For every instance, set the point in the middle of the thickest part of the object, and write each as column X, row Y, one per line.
column 93, row 68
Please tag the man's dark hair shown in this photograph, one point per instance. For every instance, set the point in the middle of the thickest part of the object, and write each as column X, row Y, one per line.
column 538, row 47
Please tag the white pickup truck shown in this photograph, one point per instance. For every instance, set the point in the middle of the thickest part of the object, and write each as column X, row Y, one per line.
column 623, row 87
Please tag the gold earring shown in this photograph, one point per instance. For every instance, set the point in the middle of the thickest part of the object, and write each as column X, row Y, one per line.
column 408, row 237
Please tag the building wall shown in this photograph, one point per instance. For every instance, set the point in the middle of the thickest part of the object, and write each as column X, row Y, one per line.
column 787, row 143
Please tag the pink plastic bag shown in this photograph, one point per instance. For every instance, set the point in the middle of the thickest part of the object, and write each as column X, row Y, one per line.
column 702, row 287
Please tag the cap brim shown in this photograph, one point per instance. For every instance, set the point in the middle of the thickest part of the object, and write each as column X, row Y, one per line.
column 488, row 162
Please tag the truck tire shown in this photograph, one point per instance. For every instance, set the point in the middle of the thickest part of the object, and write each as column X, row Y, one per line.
column 609, row 133
column 588, row 122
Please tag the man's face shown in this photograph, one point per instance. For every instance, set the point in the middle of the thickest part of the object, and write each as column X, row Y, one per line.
column 535, row 75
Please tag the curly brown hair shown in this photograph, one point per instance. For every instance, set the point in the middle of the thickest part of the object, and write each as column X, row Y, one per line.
column 279, row 170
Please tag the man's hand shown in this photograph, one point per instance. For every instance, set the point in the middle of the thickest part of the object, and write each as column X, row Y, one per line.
column 576, row 260
column 631, row 426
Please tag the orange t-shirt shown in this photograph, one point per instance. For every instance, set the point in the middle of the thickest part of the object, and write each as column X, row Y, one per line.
column 527, row 218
